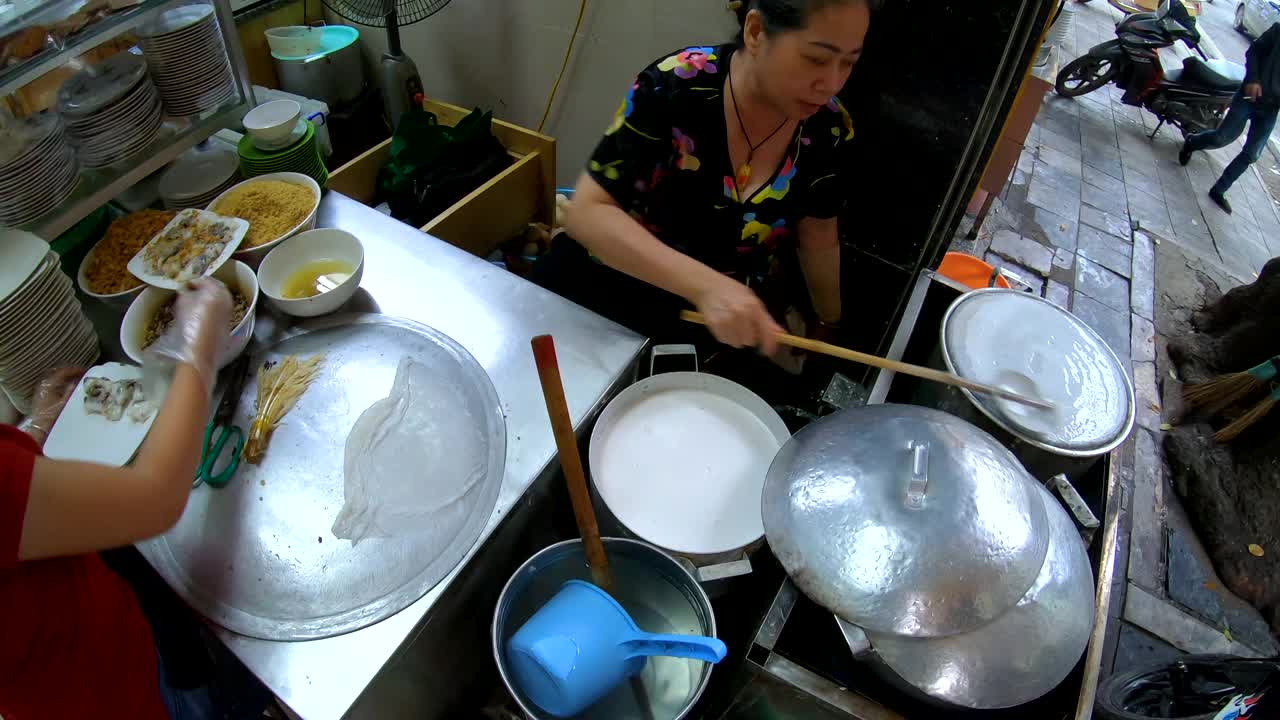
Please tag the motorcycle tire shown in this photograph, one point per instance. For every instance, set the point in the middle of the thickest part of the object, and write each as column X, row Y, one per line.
column 1078, row 68
column 1147, row 693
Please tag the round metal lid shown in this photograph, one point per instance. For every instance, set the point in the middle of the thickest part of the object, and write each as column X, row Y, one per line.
column 1027, row 344
column 97, row 86
column 904, row 520
column 1020, row 655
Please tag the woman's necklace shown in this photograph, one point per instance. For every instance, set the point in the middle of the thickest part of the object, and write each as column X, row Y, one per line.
column 744, row 170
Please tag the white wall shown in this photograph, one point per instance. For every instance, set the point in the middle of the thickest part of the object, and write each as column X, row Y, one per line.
column 504, row 55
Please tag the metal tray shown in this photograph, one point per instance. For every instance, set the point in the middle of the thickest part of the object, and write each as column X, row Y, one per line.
column 258, row 556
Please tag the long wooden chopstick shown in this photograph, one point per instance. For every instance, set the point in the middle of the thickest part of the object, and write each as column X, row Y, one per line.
column 946, row 378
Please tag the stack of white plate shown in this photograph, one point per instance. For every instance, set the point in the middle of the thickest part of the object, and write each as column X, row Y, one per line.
column 41, row 325
column 188, row 59
column 111, row 110
column 38, row 169
column 198, row 176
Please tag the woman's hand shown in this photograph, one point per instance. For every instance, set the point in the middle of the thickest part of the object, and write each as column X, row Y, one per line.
column 50, row 397
column 735, row 316
column 199, row 328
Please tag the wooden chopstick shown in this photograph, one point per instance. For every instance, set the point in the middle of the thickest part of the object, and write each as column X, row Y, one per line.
column 946, row 378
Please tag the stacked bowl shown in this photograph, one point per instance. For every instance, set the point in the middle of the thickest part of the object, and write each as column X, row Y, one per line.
column 188, row 59
column 41, row 325
column 111, row 110
column 38, row 169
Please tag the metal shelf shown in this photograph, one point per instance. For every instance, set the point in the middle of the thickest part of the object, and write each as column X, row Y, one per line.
column 108, row 28
column 96, row 187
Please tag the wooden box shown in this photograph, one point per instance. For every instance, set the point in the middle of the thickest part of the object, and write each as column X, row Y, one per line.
column 492, row 213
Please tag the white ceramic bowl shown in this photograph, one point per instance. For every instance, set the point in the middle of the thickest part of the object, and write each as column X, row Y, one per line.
column 120, row 300
column 271, row 122
column 253, row 256
column 133, row 329
column 322, row 244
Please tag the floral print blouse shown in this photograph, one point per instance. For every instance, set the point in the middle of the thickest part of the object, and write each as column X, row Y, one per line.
column 665, row 160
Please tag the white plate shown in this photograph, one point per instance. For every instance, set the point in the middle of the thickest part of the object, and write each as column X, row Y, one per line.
column 137, row 264
column 56, row 193
column 77, row 435
column 171, row 21
column 99, row 85
column 21, row 254
column 199, row 173
column 20, row 139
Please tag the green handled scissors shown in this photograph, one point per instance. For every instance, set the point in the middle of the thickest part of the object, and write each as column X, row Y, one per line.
column 227, row 432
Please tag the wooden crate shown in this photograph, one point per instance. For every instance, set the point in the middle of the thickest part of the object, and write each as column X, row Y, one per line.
column 491, row 214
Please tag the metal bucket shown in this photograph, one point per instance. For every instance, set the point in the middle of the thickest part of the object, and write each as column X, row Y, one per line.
column 657, row 591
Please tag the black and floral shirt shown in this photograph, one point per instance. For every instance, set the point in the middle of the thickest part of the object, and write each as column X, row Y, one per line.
column 665, row 160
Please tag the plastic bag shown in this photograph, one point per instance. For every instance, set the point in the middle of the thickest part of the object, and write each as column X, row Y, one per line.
column 395, row 480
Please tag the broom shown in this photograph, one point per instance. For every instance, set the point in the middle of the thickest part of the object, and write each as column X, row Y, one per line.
column 1245, row 421
column 1227, row 390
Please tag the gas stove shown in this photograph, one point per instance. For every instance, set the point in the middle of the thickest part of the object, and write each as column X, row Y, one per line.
column 798, row 664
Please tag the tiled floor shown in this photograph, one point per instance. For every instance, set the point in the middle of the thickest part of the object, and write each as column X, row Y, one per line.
column 1092, row 198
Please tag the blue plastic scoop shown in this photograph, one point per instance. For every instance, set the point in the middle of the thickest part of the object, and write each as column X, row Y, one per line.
column 582, row 644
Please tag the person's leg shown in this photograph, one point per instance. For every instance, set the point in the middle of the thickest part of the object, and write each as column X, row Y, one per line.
column 1262, row 122
column 1223, row 135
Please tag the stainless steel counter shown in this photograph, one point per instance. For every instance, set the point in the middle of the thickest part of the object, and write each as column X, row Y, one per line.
column 493, row 314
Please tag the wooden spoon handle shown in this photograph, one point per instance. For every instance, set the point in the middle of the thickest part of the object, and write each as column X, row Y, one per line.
column 544, row 354
column 946, row 378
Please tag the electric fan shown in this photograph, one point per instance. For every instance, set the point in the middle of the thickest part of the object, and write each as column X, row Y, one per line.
column 401, row 85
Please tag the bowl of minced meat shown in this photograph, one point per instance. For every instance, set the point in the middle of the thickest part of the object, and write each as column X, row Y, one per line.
column 277, row 206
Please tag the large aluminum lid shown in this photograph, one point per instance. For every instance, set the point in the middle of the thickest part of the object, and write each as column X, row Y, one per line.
column 1027, row 344
column 1019, row 656
column 904, row 520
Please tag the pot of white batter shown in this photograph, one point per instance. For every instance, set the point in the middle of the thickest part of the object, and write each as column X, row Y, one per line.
column 679, row 460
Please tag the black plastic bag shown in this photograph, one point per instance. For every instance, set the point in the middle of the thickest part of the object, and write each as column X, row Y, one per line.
column 433, row 166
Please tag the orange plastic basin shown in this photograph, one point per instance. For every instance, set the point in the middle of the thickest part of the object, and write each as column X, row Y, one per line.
column 969, row 271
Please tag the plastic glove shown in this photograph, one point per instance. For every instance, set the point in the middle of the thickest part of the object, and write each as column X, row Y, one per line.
column 50, row 397
column 199, row 330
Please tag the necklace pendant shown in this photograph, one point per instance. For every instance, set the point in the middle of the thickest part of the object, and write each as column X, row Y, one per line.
column 743, row 177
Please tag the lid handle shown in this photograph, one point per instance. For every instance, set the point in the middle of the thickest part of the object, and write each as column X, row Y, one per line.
column 919, row 481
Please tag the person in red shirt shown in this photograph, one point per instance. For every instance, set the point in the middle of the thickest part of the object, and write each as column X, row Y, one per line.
column 73, row 640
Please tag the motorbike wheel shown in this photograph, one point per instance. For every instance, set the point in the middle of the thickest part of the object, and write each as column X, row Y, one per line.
column 1192, row 687
column 1084, row 75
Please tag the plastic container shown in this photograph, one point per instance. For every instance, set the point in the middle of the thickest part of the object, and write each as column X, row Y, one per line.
column 970, row 271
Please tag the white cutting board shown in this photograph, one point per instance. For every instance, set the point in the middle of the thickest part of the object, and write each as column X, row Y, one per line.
column 79, row 435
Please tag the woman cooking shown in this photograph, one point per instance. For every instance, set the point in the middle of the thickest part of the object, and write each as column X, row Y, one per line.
column 721, row 174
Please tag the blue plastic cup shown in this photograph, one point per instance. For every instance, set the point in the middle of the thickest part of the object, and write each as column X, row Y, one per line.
column 582, row 644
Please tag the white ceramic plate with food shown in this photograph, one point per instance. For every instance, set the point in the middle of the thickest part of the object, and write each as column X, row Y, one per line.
column 194, row 232
column 81, row 434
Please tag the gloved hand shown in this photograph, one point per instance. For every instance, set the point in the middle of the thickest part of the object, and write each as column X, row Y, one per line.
column 199, row 330
column 50, row 397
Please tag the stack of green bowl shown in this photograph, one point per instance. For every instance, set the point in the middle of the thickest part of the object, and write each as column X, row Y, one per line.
column 301, row 157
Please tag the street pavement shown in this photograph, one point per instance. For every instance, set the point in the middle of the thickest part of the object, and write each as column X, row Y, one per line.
column 1082, row 218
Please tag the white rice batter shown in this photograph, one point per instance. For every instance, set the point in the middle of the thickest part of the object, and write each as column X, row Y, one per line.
column 685, row 468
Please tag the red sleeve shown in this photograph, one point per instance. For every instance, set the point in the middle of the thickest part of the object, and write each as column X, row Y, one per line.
column 17, row 459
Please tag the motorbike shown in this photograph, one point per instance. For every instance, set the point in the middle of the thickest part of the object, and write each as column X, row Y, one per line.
column 1191, row 98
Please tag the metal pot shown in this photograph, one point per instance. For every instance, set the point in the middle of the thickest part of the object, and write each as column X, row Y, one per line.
column 1021, row 655
column 334, row 74
column 1027, row 343
column 655, row 590
column 628, row 422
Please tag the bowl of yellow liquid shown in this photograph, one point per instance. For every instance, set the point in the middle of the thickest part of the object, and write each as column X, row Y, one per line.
column 312, row 273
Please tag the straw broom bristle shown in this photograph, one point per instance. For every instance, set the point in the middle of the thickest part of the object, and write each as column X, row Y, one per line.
column 1221, row 392
column 1244, row 422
